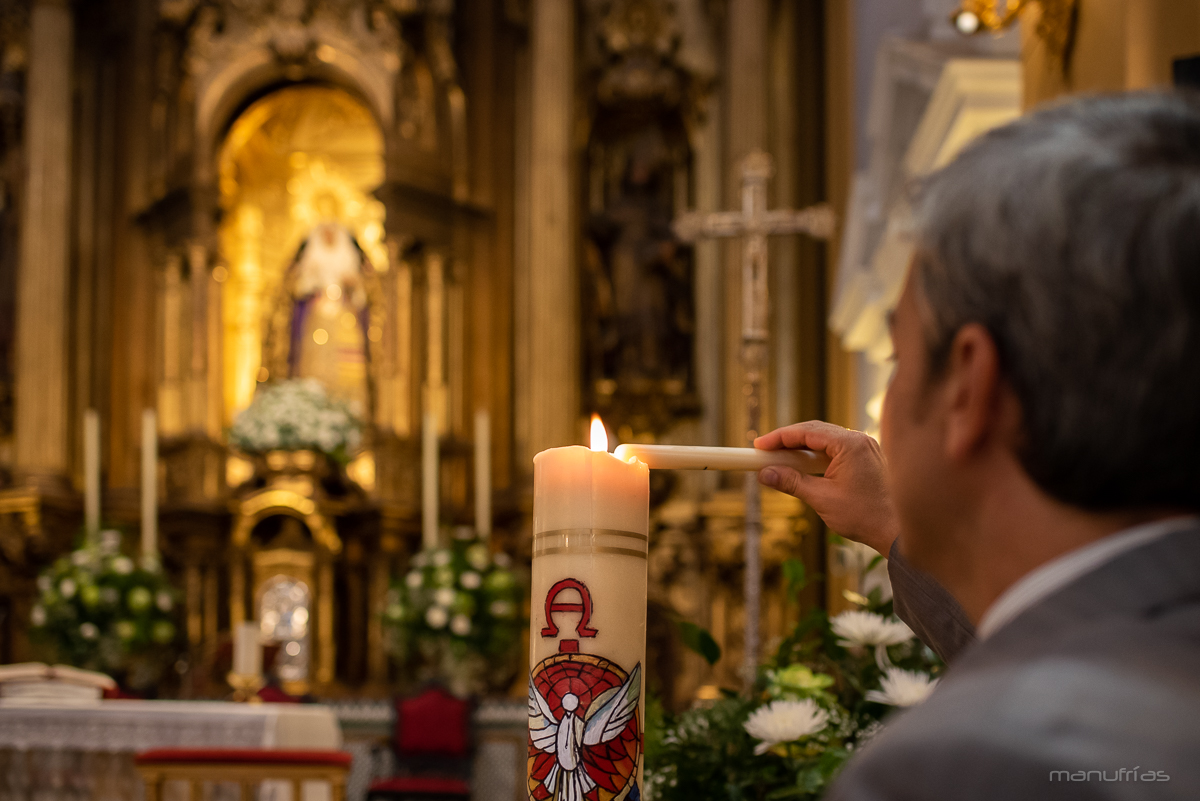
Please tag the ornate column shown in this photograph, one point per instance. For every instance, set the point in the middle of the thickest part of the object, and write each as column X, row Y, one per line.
column 553, row 309
column 41, row 402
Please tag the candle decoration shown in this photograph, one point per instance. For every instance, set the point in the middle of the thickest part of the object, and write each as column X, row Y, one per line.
column 588, row 623
column 690, row 457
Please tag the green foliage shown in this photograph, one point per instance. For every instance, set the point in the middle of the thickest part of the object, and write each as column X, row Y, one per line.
column 101, row 610
column 706, row 753
column 699, row 640
column 456, row 616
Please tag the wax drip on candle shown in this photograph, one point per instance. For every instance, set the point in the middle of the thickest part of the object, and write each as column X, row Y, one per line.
column 599, row 434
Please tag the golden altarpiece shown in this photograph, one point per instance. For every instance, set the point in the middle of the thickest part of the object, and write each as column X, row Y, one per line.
column 299, row 146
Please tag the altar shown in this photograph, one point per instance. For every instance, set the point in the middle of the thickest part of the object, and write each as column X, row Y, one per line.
column 86, row 751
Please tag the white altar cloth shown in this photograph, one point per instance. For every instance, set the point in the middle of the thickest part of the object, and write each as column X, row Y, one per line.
column 124, row 726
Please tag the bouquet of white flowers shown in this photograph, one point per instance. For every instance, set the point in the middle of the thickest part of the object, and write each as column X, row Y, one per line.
column 100, row 610
column 296, row 415
column 456, row 616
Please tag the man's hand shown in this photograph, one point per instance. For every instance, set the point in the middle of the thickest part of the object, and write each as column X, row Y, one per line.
column 852, row 497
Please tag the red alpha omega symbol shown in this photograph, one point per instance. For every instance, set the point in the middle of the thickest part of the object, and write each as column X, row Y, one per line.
column 584, row 608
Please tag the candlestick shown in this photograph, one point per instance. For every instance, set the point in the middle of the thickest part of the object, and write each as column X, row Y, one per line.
column 91, row 474
column 429, row 481
column 149, row 483
column 483, row 475
column 588, row 623
column 687, row 457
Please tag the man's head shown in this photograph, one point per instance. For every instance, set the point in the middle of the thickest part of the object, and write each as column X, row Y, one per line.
column 1052, row 317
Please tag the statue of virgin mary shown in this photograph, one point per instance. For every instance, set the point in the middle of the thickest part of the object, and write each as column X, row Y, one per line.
column 320, row 326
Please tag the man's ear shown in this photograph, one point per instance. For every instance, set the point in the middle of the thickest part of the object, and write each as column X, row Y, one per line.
column 971, row 387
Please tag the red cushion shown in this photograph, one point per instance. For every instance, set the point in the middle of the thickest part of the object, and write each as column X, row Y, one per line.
column 422, row 784
column 259, row 756
column 434, row 722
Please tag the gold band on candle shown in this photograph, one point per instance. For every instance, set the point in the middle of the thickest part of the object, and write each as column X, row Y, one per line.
column 610, row 532
column 583, row 550
column 585, row 541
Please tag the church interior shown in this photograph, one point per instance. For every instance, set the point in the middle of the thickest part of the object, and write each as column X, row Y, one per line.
column 293, row 291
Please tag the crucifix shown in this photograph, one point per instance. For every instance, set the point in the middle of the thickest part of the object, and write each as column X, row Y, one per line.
column 754, row 223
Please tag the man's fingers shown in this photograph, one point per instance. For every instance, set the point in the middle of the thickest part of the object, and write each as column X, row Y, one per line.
column 784, row 479
column 815, row 434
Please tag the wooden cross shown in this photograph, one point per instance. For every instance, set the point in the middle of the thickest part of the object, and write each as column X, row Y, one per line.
column 754, row 223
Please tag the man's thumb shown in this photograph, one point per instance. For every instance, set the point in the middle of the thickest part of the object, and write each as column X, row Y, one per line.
column 784, row 479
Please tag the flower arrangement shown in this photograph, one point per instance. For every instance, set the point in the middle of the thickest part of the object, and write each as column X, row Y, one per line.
column 100, row 610
column 827, row 690
column 294, row 415
column 456, row 616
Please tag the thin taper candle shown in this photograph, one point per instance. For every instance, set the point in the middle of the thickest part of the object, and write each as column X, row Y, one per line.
column 429, row 481
column 483, row 475
column 91, row 473
column 149, row 482
column 688, row 457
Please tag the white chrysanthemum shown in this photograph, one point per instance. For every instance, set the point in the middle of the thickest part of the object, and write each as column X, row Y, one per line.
column 470, row 580
column 867, row 628
column 414, row 579
column 164, row 601
column 122, row 565
column 441, row 558
column 902, row 688
column 420, row 560
column 67, row 588
column 460, row 625
column 37, row 615
column 444, row 597
column 88, row 631
column 437, row 617
column 502, row 559
column 501, row 608
column 785, row 721
column 45, row 583
column 80, row 558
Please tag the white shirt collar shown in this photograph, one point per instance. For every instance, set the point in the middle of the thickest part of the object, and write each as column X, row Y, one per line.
column 1047, row 579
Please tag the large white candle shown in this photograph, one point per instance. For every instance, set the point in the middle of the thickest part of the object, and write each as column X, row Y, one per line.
column 483, row 475
column 429, row 481
column 247, row 650
column 149, row 483
column 91, row 474
column 588, row 622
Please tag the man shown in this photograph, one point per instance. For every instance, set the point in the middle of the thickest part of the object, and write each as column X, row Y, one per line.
column 1041, row 464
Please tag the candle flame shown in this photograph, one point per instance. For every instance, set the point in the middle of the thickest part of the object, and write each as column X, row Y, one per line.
column 599, row 435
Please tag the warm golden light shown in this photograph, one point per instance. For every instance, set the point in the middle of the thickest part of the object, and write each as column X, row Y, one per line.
column 320, row 336
column 599, row 435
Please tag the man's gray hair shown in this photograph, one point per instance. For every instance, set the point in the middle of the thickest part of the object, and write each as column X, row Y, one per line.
column 1073, row 236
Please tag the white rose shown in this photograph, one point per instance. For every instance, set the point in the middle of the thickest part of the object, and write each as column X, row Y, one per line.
column 444, row 596
column 122, row 565
column 414, row 579
column 501, row 609
column 436, row 617
column 470, row 580
column 67, row 588
column 441, row 558
column 88, row 631
column 164, row 601
column 461, row 625
column 45, row 583
column 37, row 615
column 80, row 558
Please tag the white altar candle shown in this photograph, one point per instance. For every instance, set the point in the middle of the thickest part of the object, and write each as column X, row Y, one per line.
column 483, row 475
column 688, row 457
column 149, row 483
column 429, row 481
column 91, row 474
column 247, row 650
column 588, row 622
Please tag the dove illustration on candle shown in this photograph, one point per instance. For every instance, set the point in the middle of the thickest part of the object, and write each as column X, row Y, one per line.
column 566, row 736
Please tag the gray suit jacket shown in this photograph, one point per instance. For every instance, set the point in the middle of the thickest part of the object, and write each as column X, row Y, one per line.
column 1093, row 693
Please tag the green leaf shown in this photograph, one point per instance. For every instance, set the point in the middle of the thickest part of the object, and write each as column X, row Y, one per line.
column 873, row 563
column 699, row 640
column 793, row 573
